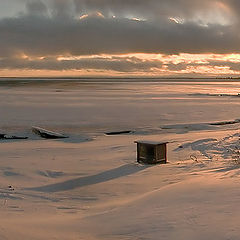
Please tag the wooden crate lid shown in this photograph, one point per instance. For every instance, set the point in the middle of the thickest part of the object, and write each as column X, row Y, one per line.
column 153, row 143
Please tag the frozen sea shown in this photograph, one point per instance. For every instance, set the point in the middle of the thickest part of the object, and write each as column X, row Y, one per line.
column 95, row 106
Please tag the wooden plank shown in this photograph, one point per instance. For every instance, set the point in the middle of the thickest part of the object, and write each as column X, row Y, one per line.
column 47, row 134
column 119, row 132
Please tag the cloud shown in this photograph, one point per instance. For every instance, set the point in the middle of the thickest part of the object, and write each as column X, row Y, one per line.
column 36, row 8
column 177, row 67
column 40, row 35
column 55, row 28
column 122, row 64
column 118, row 64
column 147, row 9
column 234, row 66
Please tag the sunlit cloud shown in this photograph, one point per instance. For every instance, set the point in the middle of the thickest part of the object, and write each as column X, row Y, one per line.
column 176, row 20
column 137, row 19
column 83, row 16
column 128, row 64
column 94, row 14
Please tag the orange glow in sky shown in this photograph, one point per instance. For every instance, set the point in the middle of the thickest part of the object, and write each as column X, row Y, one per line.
column 158, row 64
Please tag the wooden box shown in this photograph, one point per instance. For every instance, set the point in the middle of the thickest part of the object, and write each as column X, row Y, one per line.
column 151, row 152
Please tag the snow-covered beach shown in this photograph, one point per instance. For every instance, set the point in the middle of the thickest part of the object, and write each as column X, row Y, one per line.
column 89, row 185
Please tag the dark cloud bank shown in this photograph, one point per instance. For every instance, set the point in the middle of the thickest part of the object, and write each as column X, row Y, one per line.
column 51, row 29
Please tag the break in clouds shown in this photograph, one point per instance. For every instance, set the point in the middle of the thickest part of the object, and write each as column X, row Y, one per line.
column 38, row 33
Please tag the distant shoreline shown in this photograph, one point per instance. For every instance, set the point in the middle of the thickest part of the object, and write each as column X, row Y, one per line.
column 116, row 79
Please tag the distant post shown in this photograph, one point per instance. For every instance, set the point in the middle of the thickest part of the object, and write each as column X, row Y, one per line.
column 151, row 152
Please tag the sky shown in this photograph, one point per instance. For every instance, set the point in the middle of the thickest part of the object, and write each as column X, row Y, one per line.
column 134, row 38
